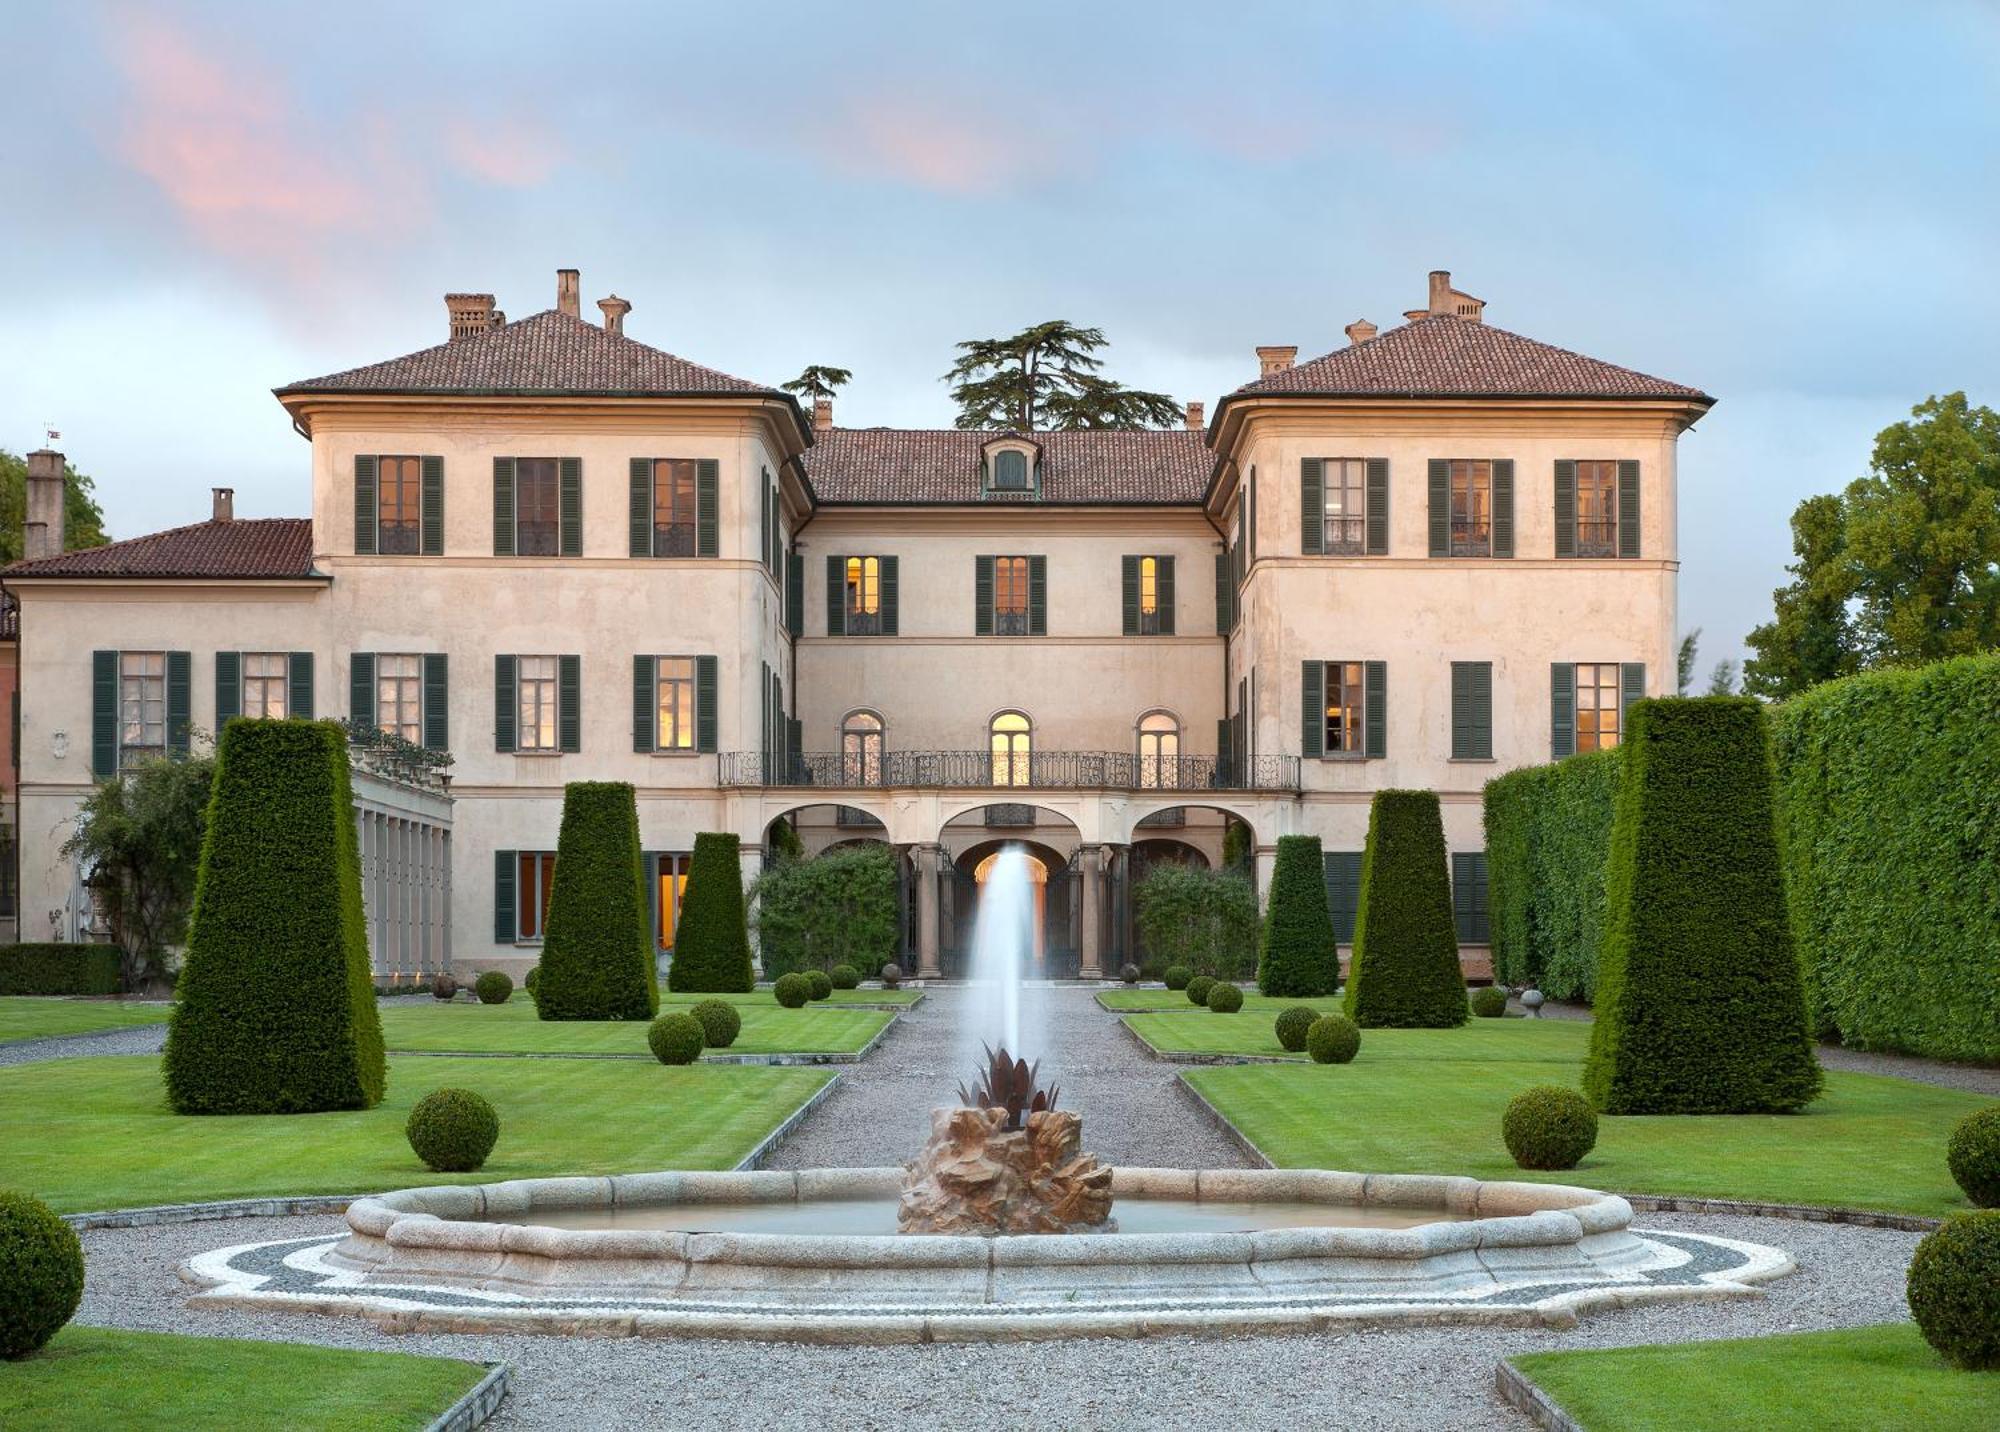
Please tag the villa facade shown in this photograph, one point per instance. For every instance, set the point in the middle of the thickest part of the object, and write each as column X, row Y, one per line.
column 557, row 553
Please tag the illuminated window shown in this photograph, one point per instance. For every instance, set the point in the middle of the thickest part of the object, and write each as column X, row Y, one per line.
column 1149, row 596
column 535, row 678
column 861, row 749
column 535, row 879
column 674, row 730
column 670, row 878
column 1471, row 508
column 1012, row 737
column 1010, row 595
column 398, row 505
column 864, row 596
column 265, row 684
column 1344, row 703
column 1159, row 751
column 1597, row 705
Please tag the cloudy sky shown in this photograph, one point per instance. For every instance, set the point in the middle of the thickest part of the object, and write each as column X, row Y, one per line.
column 1795, row 207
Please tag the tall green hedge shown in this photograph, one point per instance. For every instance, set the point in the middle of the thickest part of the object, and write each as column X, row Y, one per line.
column 712, row 941
column 60, row 969
column 597, row 947
column 1889, row 789
column 1404, row 972
column 838, row 907
column 1547, row 831
column 1204, row 919
column 1700, row 1001
column 276, row 1011
column 1296, row 954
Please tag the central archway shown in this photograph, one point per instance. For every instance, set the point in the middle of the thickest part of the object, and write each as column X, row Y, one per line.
column 971, row 842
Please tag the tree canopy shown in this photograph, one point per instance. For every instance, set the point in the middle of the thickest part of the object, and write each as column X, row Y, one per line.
column 817, row 381
column 1046, row 378
column 83, row 521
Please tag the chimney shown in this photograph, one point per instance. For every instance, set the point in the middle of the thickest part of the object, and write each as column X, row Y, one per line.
column 470, row 313
column 1448, row 302
column 225, row 504
column 43, row 532
column 822, row 415
column 1275, row 360
column 1360, row 331
column 1194, row 419
column 569, row 292
column 615, row 309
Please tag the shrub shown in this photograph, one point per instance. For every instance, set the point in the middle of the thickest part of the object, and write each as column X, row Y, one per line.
column 892, row 975
column 452, row 1130
column 720, row 1022
column 1296, row 956
column 1204, row 919
column 1129, row 973
column 1954, row 1290
column 534, row 973
column 1293, row 1026
column 836, row 908
column 59, row 969
column 1404, row 972
column 1549, row 1127
column 1548, row 829
column 792, row 990
column 1177, row 976
column 41, row 1271
column 598, row 939
column 1333, row 1039
column 1700, row 1007
column 1198, row 988
column 676, row 1038
column 493, row 987
column 1973, row 1155
column 276, row 1012
column 1489, row 1003
column 820, row 983
column 1225, row 998
column 444, row 986
column 712, row 942
column 845, row 977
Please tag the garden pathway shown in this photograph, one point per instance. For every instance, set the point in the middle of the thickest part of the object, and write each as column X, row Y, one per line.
column 137, row 1039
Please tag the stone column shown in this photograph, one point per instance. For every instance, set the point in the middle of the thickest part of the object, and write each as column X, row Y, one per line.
column 750, row 864
column 927, row 912
column 1090, row 865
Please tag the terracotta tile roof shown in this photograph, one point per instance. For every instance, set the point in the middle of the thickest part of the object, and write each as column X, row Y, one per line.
column 1444, row 357
column 547, row 352
column 942, row 465
column 243, row 549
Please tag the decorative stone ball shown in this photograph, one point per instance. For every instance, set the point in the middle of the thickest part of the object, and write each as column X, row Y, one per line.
column 1177, row 976
column 1129, row 973
column 1531, row 1001
column 720, row 1022
column 676, row 1038
column 1198, row 988
column 892, row 975
column 1293, row 1026
column 1973, row 1155
column 845, row 977
column 41, row 1274
column 1954, row 1290
column 792, row 990
column 821, row 982
column 444, row 987
column 534, row 973
column 493, row 987
column 1224, row 998
column 1489, row 1003
column 1333, row 1039
column 453, row 1130
column 1549, row 1127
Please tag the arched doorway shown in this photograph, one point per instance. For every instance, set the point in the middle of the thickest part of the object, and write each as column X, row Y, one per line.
column 972, row 842
column 1038, row 875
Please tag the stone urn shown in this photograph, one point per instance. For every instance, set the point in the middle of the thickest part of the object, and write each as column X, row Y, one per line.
column 976, row 1175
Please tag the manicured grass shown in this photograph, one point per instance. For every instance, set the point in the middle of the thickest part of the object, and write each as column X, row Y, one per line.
column 105, row 1378
column 1853, row 1380
column 97, row 1133
column 33, row 1017
column 1247, row 1033
column 1175, row 1001
column 839, row 996
column 1429, row 1101
column 514, row 1028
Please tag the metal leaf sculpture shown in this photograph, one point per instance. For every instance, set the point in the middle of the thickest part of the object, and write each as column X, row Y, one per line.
column 1008, row 1083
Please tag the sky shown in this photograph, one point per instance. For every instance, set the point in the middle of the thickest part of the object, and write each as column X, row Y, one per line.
column 1794, row 207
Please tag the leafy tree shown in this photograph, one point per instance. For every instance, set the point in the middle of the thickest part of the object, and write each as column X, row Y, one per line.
column 817, row 381
column 83, row 520
column 1046, row 378
column 836, row 908
column 1204, row 919
column 1722, row 680
column 1684, row 662
column 1811, row 639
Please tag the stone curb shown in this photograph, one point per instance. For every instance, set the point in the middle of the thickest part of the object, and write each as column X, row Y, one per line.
column 1524, row 1397
column 1184, row 1056
column 1221, row 1123
column 478, row 1405
column 756, row 1157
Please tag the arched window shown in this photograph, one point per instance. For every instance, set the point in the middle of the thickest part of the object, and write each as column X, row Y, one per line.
column 861, row 749
column 1010, row 471
column 1159, row 750
column 1012, row 737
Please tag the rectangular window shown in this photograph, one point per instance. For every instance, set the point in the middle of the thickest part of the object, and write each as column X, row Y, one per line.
column 863, row 587
column 142, row 706
column 1149, row 596
column 673, row 506
column 537, row 507
column 399, row 696
column 534, row 880
column 670, row 875
column 537, row 702
column 674, row 730
column 1471, row 507
column 1597, row 705
column 1597, row 509
column 399, row 526
column 1344, row 498
column 1010, row 596
column 266, row 680
column 1345, row 703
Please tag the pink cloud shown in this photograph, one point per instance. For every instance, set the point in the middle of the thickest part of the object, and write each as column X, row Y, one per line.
column 943, row 149
column 511, row 153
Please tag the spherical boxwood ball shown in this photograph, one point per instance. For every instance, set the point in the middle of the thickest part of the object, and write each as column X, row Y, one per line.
column 1549, row 1126
column 1129, row 973
column 1177, row 976
column 1224, row 998
column 444, row 987
column 1489, row 1003
column 1293, row 1026
column 821, row 983
column 720, row 1023
column 677, row 1038
column 1973, row 1155
column 453, row 1130
column 493, row 987
column 1333, row 1039
column 792, row 990
column 1954, row 1290
column 845, row 977
column 534, row 973
column 1198, row 988
column 892, row 975
column 41, row 1274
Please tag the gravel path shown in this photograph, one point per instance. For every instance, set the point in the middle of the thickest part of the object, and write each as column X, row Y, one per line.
column 134, row 1039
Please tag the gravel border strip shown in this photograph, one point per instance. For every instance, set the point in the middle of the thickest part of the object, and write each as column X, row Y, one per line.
column 1521, row 1394
column 769, row 1145
column 478, row 1405
column 1222, row 1124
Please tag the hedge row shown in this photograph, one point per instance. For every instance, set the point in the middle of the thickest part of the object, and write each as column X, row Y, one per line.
column 597, row 950
column 59, row 969
column 1547, row 831
column 1296, row 956
column 712, row 940
column 1404, row 972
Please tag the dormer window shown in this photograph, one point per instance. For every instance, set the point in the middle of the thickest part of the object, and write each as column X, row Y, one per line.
column 1010, row 472
column 1012, row 467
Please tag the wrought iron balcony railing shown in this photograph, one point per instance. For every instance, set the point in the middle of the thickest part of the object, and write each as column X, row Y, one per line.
column 1038, row 770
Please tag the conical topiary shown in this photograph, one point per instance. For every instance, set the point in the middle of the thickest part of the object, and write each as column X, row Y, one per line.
column 1296, row 954
column 712, row 941
column 597, row 947
column 1404, row 973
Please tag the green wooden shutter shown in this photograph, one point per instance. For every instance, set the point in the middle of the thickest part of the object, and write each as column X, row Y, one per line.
column 1440, row 486
column 366, row 508
column 1164, row 589
column 103, row 714
column 794, row 745
column 299, row 677
column 890, row 592
column 1253, row 514
column 503, row 896
column 639, row 508
column 1341, row 873
column 1471, row 710
column 645, row 702
column 569, row 703
column 1562, row 709
column 707, row 482
column 1224, row 594
column 506, row 703
column 982, row 596
column 180, row 702
column 361, row 690
column 704, row 703
column 1468, row 896
column 764, row 523
column 228, row 689
column 1312, row 708
column 569, row 506
column 1038, row 596
column 503, row 507
column 1631, row 688
column 431, row 511
column 795, row 593
column 1377, row 473
column 437, row 702
column 1503, row 507
column 1224, row 749
column 1128, row 584
column 1312, row 506
column 836, row 595
column 1375, row 715
column 1565, row 507
column 1628, row 509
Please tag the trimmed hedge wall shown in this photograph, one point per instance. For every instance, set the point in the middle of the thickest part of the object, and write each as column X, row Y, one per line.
column 1547, row 831
column 276, row 1010
column 1700, row 1002
column 597, row 946
column 712, row 941
column 1296, row 954
column 1404, row 972
column 59, row 969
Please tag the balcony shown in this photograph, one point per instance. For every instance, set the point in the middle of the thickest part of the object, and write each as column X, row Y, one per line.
column 1041, row 770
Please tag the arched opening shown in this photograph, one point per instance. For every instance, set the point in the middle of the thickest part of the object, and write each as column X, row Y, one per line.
column 972, row 841
column 1159, row 750
column 861, row 735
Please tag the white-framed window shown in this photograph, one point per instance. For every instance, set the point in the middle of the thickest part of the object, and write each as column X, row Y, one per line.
column 861, row 749
column 1471, row 507
column 674, row 728
column 1010, row 595
column 1344, row 503
column 1596, row 509
column 1159, row 750
column 266, row 685
column 1010, row 471
column 670, row 878
column 674, row 506
column 399, row 696
column 863, row 581
column 1597, row 705
column 533, row 881
column 1011, row 736
column 1149, row 596
column 142, row 706
column 537, row 703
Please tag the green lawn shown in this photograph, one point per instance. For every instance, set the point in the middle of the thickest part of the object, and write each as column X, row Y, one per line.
column 104, row 1378
column 1429, row 1101
column 32, row 1017
column 513, row 1028
column 1853, row 1380
column 1248, row 1033
column 1174, row 1001
column 97, row 1133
